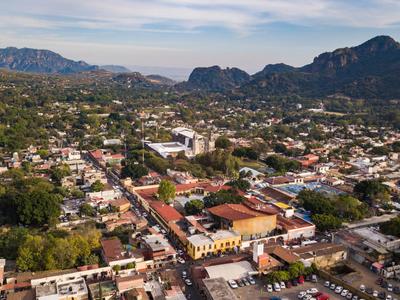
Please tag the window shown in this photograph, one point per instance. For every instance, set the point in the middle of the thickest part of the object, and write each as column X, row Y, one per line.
column 198, row 248
column 209, row 246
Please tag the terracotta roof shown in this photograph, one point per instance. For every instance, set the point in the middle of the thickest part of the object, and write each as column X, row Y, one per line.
column 234, row 212
column 120, row 202
column 97, row 154
column 168, row 213
column 282, row 253
column 112, row 248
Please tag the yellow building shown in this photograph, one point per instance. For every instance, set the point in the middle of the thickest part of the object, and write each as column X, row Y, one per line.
column 249, row 223
column 201, row 245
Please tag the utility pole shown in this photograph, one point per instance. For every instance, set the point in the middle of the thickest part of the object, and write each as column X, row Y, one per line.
column 142, row 141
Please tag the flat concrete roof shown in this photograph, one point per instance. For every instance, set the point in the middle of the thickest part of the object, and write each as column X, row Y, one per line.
column 219, row 289
column 230, row 271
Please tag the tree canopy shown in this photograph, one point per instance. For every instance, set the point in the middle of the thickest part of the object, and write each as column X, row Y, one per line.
column 166, row 191
column 194, row 207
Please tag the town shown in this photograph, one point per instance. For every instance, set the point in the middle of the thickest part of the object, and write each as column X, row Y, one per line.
column 201, row 210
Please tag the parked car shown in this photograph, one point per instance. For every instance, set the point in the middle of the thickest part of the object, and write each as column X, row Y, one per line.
column 362, row 288
column 332, row 286
column 323, row 297
column 277, row 287
column 338, row 289
column 301, row 279
column 283, row 286
column 369, row 291
column 233, row 284
column 188, row 282
column 355, row 297
column 240, row 282
column 181, row 260
column 269, row 288
column 379, row 281
column 396, row 290
column 349, row 296
column 382, row 295
column 390, row 287
column 288, row 284
column 295, row 282
column 375, row 293
column 301, row 294
column 314, row 278
column 251, row 280
column 184, row 274
column 327, row 284
column 245, row 281
column 344, row 293
column 312, row 291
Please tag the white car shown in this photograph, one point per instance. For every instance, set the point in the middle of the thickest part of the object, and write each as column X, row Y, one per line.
column 362, row 288
column 327, row 284
column 344, row 293
column 188, row 282
column 301, row 294
column 269, row 288
column 349, row 296
column 390, row 287
column 277, row 287
column 389, row 297
column 333, row 286
column 233, row 284
column 312, row 291
column 283, row 286
column 184, row 274
column 181, row 260
column 338, row 289
column 375, row 293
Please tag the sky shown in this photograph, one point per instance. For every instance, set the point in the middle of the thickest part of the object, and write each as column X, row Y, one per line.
column 188, row 33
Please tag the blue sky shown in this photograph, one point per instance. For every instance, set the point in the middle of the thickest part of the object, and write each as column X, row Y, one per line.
column 187, row 33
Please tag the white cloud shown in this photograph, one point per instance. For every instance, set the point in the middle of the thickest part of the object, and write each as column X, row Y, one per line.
column 238, row 15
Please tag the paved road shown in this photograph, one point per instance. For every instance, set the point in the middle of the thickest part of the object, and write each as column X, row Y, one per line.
column 372, row 221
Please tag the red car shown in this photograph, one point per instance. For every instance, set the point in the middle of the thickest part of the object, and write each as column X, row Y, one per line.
column 301, row 280
column 321, row 296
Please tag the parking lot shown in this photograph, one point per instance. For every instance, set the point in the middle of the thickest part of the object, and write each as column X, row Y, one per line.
column 258, row 291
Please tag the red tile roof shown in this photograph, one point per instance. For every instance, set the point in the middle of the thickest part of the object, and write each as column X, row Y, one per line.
column 168, row 213
column 234, row 212
column 97, row 154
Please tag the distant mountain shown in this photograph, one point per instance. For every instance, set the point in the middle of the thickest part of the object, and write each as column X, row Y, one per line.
column 274, row 68
column 215, row 79
column 40, row 61
column 115, row 69
column 370, row 70
column 158, row 79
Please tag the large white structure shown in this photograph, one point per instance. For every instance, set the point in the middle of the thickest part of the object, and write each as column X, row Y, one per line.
column 184, row 140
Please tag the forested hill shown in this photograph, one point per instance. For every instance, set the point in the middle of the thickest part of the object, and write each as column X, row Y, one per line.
column 370, row 70
column 40, row 61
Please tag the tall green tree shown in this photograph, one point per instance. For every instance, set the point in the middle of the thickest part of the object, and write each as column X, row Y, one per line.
column 166, row 191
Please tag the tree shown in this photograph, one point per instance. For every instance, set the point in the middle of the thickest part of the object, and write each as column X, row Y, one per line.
column 11, row 240
column 222, row 197
column 87, row 210
column 326, row 222
column 222, row 142
column 194, row 207
column 134, row 170
column 58, row 173
column 97, row 186
column 391, row 227
column 296, row 269
column 315, row 202
column 282, row 164
column 240, row 184
column 372, row 192
column 277, row 276
column 166, row 191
